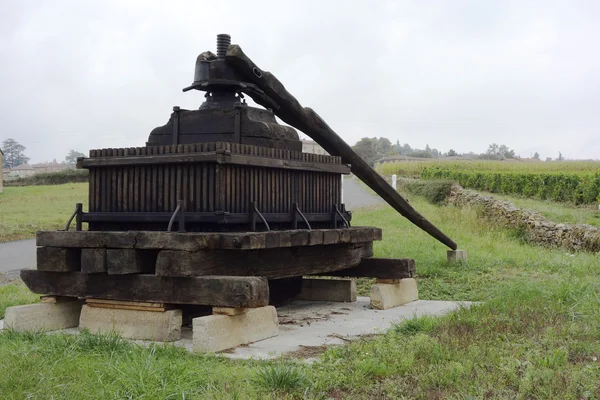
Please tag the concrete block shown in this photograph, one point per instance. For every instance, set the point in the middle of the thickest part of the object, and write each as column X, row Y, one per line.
column 133, row 324
column 229, row 310
column 456, row 255
column 388, row 295
column 219, row 332
column 314, row 289
column 43, row 316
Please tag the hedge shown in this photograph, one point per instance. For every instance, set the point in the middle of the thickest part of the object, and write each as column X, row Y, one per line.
column 579, row 188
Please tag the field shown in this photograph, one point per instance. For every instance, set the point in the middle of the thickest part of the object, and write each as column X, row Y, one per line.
column 26, row 210
column 536, row 334
column 574, row 182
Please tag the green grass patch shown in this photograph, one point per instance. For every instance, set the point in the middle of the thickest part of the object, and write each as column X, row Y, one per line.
column 15, row 295
column 536, row 335
column 433, row 191
column 557, row 212
column 26, row 210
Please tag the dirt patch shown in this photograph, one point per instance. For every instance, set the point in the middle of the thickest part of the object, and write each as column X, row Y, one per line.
column 306, row 352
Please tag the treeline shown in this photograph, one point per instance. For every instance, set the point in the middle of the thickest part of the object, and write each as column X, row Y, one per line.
column 373, row 149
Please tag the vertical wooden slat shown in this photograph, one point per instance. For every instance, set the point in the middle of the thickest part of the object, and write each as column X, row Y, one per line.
column 125, row 183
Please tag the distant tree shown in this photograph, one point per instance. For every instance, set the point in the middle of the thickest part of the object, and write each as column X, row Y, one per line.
column 384, row 146
column 536, row 156
column 71, row 158
column 14, row 154
column 492, row 150
column 452, row 153
column 366, row 148
column 505, row 152
column 548, row 159
column 560, row 156
column 498, row 152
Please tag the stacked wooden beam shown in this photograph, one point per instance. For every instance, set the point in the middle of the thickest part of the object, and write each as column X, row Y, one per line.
column 214, row 269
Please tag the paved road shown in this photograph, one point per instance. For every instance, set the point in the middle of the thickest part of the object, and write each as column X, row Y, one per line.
column 21, row 254
column 357, row 195
column 17, row 255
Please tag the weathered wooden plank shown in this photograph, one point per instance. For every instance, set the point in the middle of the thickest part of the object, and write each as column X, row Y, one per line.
column 93, row 261
column 130, row 261
column 58, row 259
column 128, row 240
column 245, row 241
column 267, row 162
column 235, row 159
column 384, row 268
column 275, row 263
column 146, row 304
column 222, row 291
column 194, row 241
column 299, row 238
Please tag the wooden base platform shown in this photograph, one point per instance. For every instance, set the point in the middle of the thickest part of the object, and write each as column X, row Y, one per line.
column 248, row 269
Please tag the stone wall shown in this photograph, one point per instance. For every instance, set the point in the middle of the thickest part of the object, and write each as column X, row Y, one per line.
column 537, row 228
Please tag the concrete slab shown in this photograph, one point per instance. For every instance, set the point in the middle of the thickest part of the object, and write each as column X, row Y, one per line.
column 304, row 325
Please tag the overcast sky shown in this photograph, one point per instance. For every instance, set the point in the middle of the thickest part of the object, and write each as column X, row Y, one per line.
column 451, row 74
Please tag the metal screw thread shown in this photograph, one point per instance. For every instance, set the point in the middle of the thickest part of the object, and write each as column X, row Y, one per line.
column 223, row 42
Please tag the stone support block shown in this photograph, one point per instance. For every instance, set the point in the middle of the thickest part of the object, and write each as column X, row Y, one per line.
column 456, row 255
column 133, row 324
column 388, row 295
column 314, row 289
column 43, row 316
column 229, row 310
column 217, row 332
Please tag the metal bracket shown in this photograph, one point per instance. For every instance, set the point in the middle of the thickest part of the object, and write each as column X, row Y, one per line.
column 337, row 216
column 178, row 211
column 253, row 214
column 77, row 215
column 237, row 128
column 297, row 213
column 176, row 110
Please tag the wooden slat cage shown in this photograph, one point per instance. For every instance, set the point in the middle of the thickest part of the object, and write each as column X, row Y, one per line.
column 217, row 183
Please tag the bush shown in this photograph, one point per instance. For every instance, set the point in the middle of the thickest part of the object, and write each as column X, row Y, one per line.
column 434, row 192
column 54, row 178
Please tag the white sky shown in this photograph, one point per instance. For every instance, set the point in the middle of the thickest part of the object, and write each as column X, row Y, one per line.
column 451, row 74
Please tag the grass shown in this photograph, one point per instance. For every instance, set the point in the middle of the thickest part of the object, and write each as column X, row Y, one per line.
column 26, row 210
column 15, row 295
column 536, row 335
column 557, row 212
